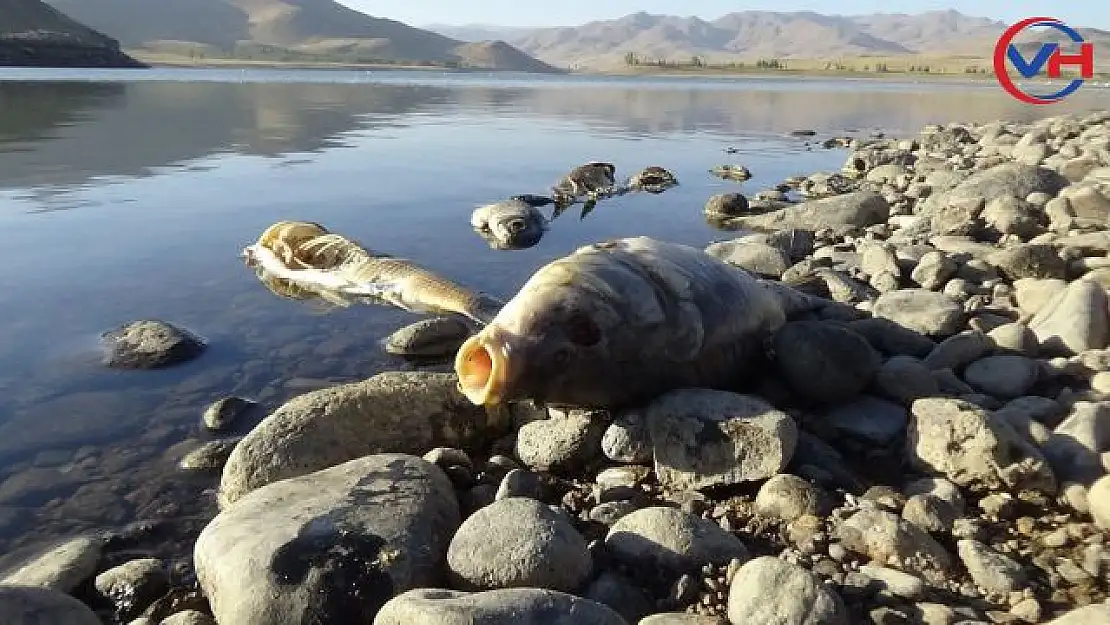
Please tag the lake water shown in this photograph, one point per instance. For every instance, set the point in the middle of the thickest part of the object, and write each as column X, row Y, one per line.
column 128, row 195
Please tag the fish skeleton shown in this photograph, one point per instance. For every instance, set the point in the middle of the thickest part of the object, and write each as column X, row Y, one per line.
column 618, row 322
column 307, row 255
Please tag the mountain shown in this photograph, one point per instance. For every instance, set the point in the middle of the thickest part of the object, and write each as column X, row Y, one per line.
column 746, row 36
column 477, row 32
column 35, row 34
column 285, row 30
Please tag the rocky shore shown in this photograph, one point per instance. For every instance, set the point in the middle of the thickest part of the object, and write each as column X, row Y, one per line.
column 931, row 447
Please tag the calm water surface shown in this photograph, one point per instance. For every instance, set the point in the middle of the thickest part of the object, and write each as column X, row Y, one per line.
column 127, row 195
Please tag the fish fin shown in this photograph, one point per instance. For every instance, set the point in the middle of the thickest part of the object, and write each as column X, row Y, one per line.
column 485, row 308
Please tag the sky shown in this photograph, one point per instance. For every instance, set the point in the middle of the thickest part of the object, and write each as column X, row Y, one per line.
column 541, row 13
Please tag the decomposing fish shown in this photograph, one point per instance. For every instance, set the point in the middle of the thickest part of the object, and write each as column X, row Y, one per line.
column 618, row 322
column 592, row 179
column 737, row 173
column 511, row 224
column 307, row 255
column 653, row 179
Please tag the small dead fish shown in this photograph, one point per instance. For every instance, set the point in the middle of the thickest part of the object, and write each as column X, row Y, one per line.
column 653, row 179
column 593, row 178
column 619, row 322
column 738, row 173
column 511, row 224
column 332, row 264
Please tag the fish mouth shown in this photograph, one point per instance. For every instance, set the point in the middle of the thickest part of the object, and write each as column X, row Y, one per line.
column 482, row 365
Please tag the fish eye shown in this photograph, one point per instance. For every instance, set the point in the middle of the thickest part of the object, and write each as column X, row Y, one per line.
column 581, row 330
column 516, row 225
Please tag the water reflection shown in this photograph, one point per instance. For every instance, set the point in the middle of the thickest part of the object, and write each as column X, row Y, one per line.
column 69, row 133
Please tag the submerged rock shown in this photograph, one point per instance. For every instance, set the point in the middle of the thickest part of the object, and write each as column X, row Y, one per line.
column 150, row 344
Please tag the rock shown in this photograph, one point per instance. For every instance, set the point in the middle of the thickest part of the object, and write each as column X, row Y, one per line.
column 704, row 438
column 1004, row 377
column 189, row 617
column 402, row 412
column 680, row 618
column 991, row 570
column 788, row 497
column 519, row 483
column 337, row 542
column 905, row 379
column 518, row 543
column 672, row 540
column 939, row 488
column 868, row 419
column 891, row 541
column 770, row 591
column 617, row 592
column 929, row 513
column 134, row 585
column 1031, row 294
column 627, row 439
column 1075, row 447
column 920, row 310
column 26, row 605
column 1011, row 215
column 974, row 448
column 563, row 443
column 1005, row 180
column 211, row 456
column 1098, row 500
column 958, row 350
column 223, row 413
column 726, row 204
column 892, row 339
column 1075, row 320
column 895, row 582
column 824, row 362
column 63, row 567
column 513, row 606
column 150, row 344
column 1030, row 261
column 428, row 338
column 758, row 258
column 446, row 457
column 1094, row 614
column 933, row 270
column 1014, row 338
column 839, row 214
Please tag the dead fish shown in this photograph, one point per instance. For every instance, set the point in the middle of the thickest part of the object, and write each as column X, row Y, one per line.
column 511, row 224
column 333, row 264
column 594, row 178
column 738, row 173
column 618, row 322
column 653, row 179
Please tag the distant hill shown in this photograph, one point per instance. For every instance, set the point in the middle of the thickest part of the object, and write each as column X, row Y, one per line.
column 284, row 30
column 750, row 35
column 35, row 34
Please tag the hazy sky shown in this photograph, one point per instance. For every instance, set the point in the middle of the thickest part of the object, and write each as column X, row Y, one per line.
column 534, row 13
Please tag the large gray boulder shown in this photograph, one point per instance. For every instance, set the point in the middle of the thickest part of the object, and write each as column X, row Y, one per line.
column 840, row 213
column 392, row 412
column 328, row 546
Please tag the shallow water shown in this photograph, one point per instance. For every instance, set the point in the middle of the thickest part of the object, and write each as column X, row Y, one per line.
column 127, row 195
